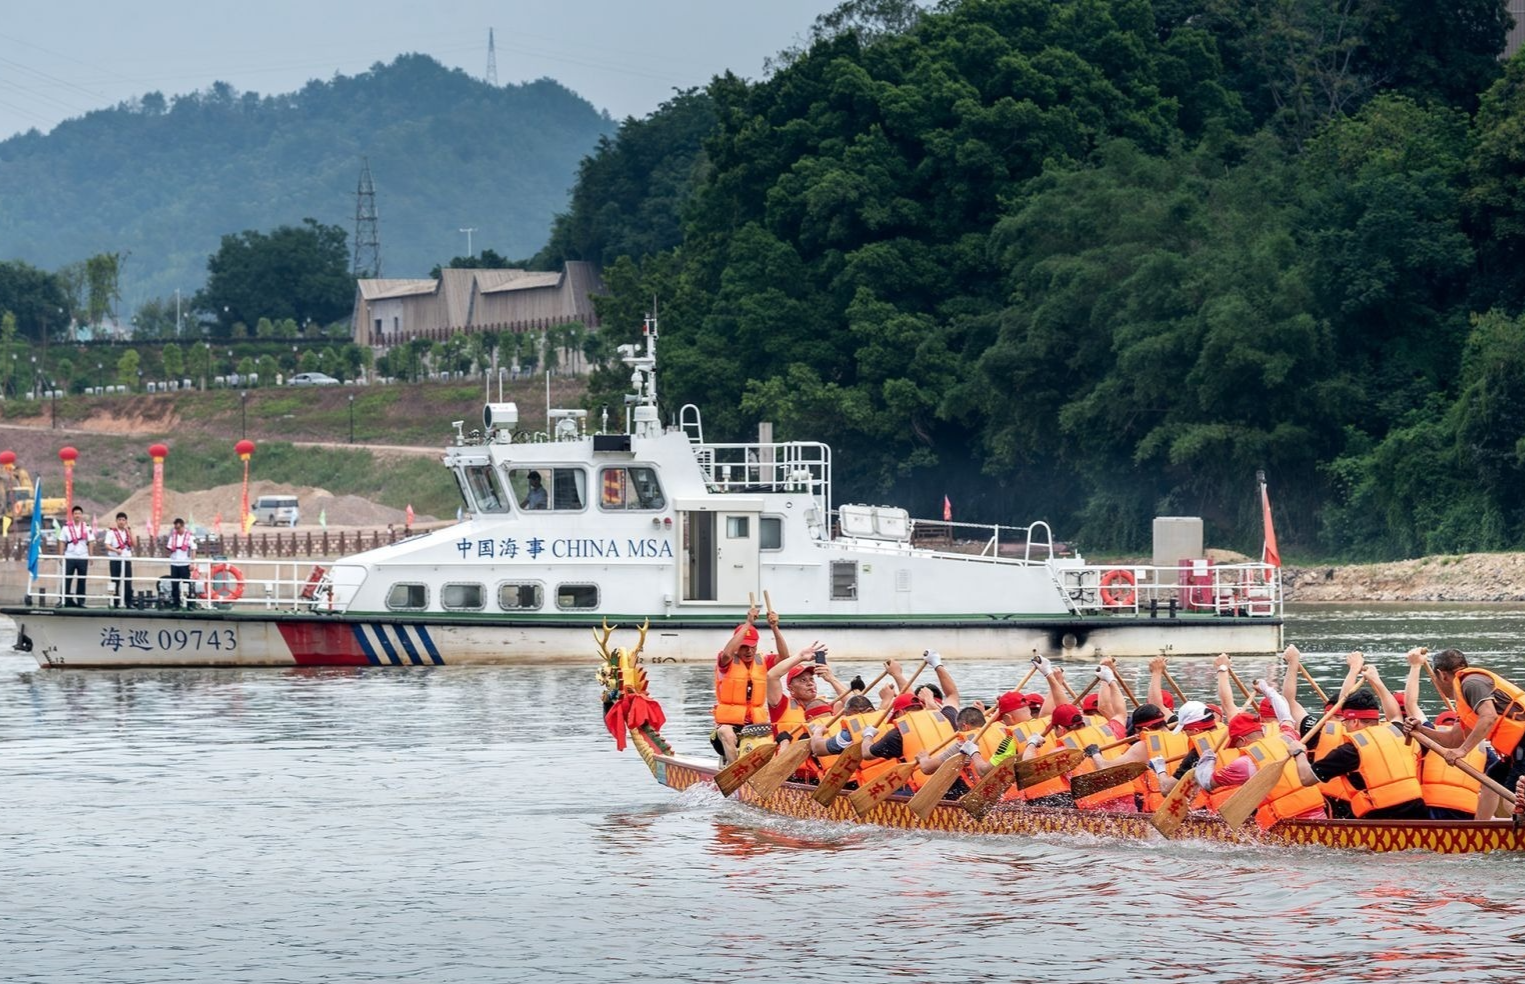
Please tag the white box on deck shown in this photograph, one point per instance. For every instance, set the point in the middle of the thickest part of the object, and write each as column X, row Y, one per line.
column 1176, row 537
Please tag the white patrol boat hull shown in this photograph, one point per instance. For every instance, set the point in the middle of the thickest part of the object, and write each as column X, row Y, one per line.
column 571, row 530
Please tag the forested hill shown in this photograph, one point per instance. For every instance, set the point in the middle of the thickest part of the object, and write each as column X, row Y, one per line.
column 166, row 178
column 1093, row 261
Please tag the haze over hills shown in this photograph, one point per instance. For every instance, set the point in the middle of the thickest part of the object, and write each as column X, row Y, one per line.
column 164, row 178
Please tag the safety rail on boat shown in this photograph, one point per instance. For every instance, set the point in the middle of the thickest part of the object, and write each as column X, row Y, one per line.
column 888, row 529
column 214, row 584
column 1192, row 587
column 789, row 466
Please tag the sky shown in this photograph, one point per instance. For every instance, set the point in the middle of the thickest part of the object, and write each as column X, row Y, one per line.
column 60, row 59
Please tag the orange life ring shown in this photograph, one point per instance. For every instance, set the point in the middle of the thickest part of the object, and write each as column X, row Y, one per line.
column 232, row 594
column 1118, row 599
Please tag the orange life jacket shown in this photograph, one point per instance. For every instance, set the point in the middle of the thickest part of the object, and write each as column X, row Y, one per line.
column 1510, row 726
column 741, row 692
column 988, row 742
column 1289, row 797
column 1448, row 787
column 1161, row 744
column 1093, row 734
column 1058, row 784
column 1389, row 767
column 1017, row 735
column 792, row 723
column 1330, row 737
column 922, row 731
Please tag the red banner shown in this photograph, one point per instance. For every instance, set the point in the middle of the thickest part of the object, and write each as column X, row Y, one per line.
column 158, row 503
column 1270, row 555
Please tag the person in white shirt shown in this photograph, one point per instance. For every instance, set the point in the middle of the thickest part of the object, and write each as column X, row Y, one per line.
column 119, row 549
column 76, row 537
column 182, row 551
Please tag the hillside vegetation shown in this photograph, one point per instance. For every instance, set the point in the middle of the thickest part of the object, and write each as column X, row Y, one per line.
column 164, row 178
column 1093, row 261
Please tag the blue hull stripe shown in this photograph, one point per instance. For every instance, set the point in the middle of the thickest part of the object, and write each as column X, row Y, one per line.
column 423, row 635
column 365, row 644
column 407, row 645
column 386, row 644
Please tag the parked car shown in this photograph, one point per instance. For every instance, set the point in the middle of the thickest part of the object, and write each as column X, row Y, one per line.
column 277, row 510
column 312, row 379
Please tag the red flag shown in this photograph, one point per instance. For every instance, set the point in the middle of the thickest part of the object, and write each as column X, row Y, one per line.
column 1269, row 554
column 409, row 514
column 947, row 510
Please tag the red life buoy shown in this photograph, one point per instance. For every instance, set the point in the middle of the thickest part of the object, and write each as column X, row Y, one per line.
column 226, row 571
column 1120, row 598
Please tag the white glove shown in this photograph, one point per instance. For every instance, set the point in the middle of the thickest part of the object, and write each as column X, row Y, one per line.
column 1044, row 666
column 1264, row 688
column 1033, row 741
column 933, row 657
column 869, row 733
column 969, row 748
column 1205, row 770
column 1157, row 765
column 1106, row 674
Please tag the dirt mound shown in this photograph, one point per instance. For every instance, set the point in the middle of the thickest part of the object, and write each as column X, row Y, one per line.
column 205, row 508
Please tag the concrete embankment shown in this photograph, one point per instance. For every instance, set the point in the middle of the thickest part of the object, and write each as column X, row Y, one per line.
column 1450, row 577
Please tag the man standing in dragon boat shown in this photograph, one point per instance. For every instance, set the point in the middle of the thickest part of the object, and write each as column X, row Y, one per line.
column 741, row 687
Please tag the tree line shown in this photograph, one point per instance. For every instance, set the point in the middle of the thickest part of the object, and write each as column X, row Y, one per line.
column 1094, row 261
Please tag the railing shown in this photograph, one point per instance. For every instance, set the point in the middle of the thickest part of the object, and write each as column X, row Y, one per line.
column 252, row 584
column 238, row 546
column 791, row 466
column 1243, row 590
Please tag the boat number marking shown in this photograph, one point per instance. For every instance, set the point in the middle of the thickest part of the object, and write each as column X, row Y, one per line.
column 168, row 640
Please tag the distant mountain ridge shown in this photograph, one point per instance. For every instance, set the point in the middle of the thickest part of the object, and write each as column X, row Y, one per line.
column 166, row 178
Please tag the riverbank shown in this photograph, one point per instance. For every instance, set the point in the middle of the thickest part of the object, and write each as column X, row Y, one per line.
column 1482, row 577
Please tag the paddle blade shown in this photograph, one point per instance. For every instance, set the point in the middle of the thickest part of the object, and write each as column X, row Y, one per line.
column 1238, row 808
column 730, row 778
column 838, row 775
column 936, row 787
column 1172, row 813
column 766, row 782
column 1094, row 782
column 989, row 790
column 1050, row 766
column 882, row 788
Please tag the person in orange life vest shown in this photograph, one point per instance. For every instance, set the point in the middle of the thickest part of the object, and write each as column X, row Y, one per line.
column 1243, row 729
column 182, row 554
column 1451, row 785
column 1110, row 702
column 1014, row 708
column 1193, row 719
column 892, row 745
column 1067, row 718
column 1373, row 758
column 1145, row 718
column 792, row 685
column 76, row 536
column 969, row 721
column 119, row 548
column 741, row 683
column 1488, row 707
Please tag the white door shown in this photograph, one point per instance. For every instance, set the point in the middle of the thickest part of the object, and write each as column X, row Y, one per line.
column 736, row 542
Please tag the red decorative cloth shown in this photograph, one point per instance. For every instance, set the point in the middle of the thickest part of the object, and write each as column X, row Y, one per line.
column 630, row 712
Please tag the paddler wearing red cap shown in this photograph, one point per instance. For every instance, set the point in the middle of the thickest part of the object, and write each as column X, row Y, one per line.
column 1383, row 771
column 741, row 684
column 1488, row 708
column 916, row 718
column 1249, row 749
column 793, row 696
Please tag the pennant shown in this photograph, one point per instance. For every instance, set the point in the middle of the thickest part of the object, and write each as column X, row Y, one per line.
column 1269, row 554
column 409, row 514
column 249, row 520
column 323, row 517
column 947, row 510
column 34, row 548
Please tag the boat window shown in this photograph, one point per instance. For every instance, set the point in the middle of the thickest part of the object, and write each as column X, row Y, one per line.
column 844, row 580
column 738, row 527
column 408, row 597
column 486, row 492
column 543, row 487
column 770, row 533
column 520, row 597
column 456, row 597
column 570, row 596
column 630, row 487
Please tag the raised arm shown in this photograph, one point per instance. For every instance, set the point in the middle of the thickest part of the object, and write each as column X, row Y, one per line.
column 776, row 674
column 1109, row 699
column 780, row 646
column 1416, row 657
column 1225, row 689
column 1294, row 659
column 944, row 678
column 1156, row 677
column 728, row 652
column 1389, row 702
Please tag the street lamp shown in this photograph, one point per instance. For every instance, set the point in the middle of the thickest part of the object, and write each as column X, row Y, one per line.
column 53, row 403
column 35, row 394
column 100, row 377
column 243, row 414
column 352, row 418
column 211, row 366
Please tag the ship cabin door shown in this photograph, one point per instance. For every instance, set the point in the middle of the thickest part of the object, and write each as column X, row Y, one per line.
column 719, row 549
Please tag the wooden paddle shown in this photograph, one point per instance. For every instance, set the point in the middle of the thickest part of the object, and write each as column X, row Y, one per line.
column 766, row 782
column 936, row 787
column 847, row 763
column 1313, row 683
column 1180, row 695
column 1126, row 689
column 1248, row 695
column 1436, row 683
column 730, row 778
column 1172, row 812
column 1238, row 807
column 884, row 786
column 1094, row 782
column 1467, row 767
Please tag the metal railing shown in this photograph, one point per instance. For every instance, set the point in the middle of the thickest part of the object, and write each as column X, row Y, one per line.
column 1242, row 590
column 218, row 584
column 237, row 546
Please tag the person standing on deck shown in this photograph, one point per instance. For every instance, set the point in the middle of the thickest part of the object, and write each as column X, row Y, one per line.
column 76, row 537
column 182, row 553
column 119, row 549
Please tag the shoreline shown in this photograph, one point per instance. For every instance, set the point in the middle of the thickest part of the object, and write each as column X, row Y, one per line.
column 1478, row 578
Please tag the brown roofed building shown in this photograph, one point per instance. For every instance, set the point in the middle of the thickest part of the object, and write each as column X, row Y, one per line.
column 389, row 312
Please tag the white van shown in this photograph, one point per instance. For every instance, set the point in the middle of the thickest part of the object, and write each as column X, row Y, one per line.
column 277, row 510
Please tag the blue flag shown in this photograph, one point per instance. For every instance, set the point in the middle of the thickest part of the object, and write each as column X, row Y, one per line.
column 34, row 549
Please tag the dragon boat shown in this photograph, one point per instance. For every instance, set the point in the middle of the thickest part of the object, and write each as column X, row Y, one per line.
column 634, row 717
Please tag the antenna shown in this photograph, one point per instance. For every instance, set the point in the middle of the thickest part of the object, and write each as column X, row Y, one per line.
column 492, row 60
column 367, row 263
column 468, row 232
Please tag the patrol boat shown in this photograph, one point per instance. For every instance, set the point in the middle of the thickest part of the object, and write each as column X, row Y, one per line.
column 569, row 529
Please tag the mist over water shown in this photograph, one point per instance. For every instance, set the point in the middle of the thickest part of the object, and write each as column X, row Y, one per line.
column 477, row 825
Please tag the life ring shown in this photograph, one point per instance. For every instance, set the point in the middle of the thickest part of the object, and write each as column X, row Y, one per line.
column 1120, row 598
column 232, row 594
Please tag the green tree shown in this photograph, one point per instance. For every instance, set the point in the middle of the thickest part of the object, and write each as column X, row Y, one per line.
column 268, row 369
column 197, row 362
column 294, row 272
column 264, row 328
column 127, row 369
column 103, row 274
column 174, row 361
column 35, row 297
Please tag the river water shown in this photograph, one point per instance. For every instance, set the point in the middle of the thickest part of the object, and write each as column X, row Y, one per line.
column 445, row 824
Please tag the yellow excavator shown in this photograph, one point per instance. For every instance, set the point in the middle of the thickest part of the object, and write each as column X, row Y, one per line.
column 18, row 505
